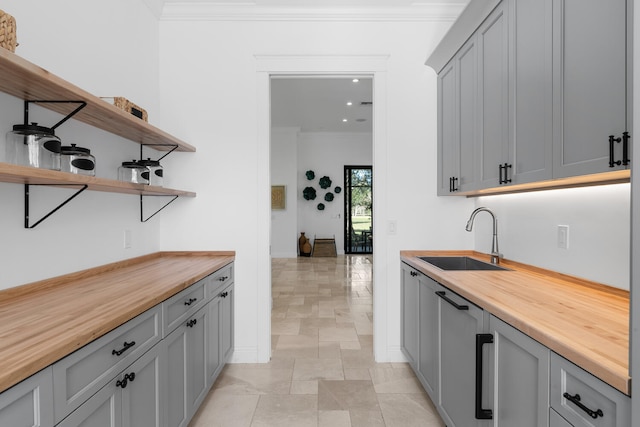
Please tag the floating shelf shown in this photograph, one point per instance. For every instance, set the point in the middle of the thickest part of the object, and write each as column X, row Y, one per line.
column 27, row 81
column 33, row 176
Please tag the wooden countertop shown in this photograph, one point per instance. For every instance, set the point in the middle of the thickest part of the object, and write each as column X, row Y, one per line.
column 585, row 322
column 44, row 321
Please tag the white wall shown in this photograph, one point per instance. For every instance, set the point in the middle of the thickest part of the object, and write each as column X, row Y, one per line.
column 109, row 48
column 284, row 167
column 326, row 154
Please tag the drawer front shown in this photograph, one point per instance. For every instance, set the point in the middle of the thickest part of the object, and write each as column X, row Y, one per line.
column 82, row 373
column 218, row 280
column 583, row 399
column 180, row 306
column 29, row 403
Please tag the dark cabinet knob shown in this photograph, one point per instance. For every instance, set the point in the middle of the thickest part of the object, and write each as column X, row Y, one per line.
column 190, row 301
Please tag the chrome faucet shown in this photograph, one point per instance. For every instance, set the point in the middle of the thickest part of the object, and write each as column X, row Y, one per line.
column 495, row 253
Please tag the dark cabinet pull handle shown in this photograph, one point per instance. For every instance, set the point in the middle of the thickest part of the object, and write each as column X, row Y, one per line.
column 503, row 174
column 443, row 295
column 481, row 414
column 455, row 183
column 126, row 346
column 413, row 273
column 223, row 278
column 450, row 184
column 126, row 379
column 575, row 399
column 192, row 322
column 612, row 163
column 190, row 301
column 625, row 148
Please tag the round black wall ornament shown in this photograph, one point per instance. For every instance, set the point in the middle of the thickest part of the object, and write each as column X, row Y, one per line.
column 310, row 175
column 320, row 206
column 328, row 197
column 337, row 190
column 309, row 193
column 325, row 182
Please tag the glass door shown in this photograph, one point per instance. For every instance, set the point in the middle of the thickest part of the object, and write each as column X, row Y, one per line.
column 358, row 212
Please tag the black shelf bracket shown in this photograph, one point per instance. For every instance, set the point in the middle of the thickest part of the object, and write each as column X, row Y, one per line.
column 67, row 117
column 174, row 147
column 27, row 196
column 142, row 218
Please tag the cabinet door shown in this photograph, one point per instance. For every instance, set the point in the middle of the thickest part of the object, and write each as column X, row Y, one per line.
column 214, row 354
column 590, row 83
column 143, row 402
column 556, row 420
column 177, row 362
column 448, row 142
column 429, row 327
column 226, row 327
column 460, row 322
column 521, row 377
column 530, row 90
column 29, row 403
column 196, row 359
column 493, row 69
column 410, row 317
column 467, row 115
column 103, row 409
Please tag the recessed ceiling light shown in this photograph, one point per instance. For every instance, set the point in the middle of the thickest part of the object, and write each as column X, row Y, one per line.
column 355, row 80
column 344, row 120
column 349, row 103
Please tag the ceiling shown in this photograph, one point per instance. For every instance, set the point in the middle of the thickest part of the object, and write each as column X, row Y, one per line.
column 319, row 104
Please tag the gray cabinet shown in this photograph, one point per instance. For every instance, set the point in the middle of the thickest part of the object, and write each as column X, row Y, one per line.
column 460, row 323
column 448, row 146
column 493, row 74
column 29, row 403
column 134, row 398
column 220, row 335
column 530, row 91
column 429, row 327
column 520, row 367
column 591, row 83
column 186, row 365
column 410, row 318
column 556, row 420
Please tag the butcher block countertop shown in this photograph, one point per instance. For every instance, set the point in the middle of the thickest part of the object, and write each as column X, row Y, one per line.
column 585, row 322
column 44, row 321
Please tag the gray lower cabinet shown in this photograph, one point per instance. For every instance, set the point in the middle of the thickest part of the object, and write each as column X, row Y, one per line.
column 410, row 318
column 220, row 336
column 135, row 398
column 186, row 363
column 29, row 403
column 429, row 328
column 556, row 420
column 520, row 371
column 460, row 323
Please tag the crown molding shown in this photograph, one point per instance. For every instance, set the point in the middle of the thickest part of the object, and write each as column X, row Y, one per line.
column 203, row 11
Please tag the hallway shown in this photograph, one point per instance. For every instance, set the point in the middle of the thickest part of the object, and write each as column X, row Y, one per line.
column 322, row 371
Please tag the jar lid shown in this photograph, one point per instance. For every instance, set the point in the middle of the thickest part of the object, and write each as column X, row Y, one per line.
column 33, row 128
column 72, row 149
column 149, row 162
column 133, row 165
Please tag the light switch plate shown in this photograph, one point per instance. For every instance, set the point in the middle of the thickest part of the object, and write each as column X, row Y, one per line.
column 563, row 236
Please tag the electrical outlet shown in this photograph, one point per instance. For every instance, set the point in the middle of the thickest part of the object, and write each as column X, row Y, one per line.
column 127, row 239
column 393, row 227
column 563, row 236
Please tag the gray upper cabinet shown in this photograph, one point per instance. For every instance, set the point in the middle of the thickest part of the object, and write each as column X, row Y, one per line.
column 521, row 377
column 591, row 89
column 530, row 91
column 448, row 145
column 493, row 73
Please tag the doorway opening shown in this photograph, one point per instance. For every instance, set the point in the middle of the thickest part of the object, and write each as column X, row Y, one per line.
column 358, row 212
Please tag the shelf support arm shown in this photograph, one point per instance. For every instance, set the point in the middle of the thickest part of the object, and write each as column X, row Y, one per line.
column 27, row 196
column 142, row 218
column 173, row 148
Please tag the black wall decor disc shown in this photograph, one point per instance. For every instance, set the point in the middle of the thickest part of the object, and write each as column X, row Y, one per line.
column 325, row 182
column 320, row 206
column 328, row 197
column 309, row 193
column 310, row 175
column 337, row 190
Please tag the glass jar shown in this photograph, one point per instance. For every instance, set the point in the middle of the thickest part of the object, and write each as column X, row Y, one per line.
column 133, row 172
column 156, row 172
column 33, row 145
column 77, row 160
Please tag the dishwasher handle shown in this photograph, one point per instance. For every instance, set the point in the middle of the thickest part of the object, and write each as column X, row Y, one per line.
column 443, row 295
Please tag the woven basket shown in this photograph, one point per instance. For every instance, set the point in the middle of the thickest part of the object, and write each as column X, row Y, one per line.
column 128, row 106
column 7, row 31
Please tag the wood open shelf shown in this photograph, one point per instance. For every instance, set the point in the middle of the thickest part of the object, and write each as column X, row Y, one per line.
column 16, row 174
column 27, row 81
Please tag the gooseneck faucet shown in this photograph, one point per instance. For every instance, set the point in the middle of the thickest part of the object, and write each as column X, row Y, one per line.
column 495, row 253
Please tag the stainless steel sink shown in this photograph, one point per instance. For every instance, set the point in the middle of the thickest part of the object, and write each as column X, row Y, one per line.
column 460, row 263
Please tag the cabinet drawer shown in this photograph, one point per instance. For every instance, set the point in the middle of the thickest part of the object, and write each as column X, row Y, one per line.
column 583, row 399
column 29, row 403
column 177, row 308
column 218, row 280
column 82, row 373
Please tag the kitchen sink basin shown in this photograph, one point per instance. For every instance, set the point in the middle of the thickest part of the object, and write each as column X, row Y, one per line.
column 460, row 263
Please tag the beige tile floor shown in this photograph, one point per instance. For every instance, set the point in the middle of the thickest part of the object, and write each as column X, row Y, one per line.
column 322, row 371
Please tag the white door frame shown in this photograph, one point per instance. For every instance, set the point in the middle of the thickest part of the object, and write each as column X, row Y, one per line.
column 322, row 65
